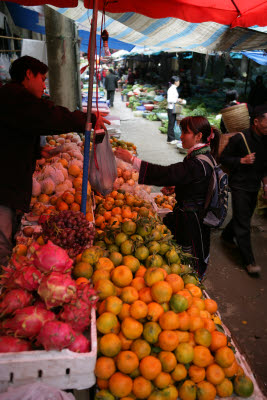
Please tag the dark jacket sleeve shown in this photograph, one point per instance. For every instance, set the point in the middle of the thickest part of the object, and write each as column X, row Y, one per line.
column 186, row 172
column 230, row 156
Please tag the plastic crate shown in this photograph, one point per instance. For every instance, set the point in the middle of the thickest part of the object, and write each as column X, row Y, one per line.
column 62, row 369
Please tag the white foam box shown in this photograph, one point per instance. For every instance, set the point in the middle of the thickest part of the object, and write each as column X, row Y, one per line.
column 62, row 369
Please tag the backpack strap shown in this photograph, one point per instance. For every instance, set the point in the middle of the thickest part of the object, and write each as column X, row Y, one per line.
column 212, row 164
column 207, row 159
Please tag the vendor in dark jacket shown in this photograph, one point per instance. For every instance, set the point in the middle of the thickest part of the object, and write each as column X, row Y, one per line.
column 24, row 117
column 190, row 179
column 247, row 171
column 111, row 83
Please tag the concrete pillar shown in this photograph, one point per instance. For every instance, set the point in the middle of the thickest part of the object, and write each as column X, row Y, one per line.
column 61, row 39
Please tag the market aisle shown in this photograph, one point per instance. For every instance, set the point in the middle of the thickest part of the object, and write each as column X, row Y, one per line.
column 241, row 298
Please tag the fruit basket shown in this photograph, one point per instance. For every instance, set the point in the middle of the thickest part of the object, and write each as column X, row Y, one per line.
column 62, row 369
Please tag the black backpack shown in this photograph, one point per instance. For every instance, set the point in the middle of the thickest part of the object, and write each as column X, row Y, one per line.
column 216, row 202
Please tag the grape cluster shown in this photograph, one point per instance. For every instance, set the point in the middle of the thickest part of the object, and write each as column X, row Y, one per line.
column 69, row 230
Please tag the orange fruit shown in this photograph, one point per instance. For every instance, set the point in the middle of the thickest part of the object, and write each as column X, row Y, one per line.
column 175, row 281
column 178, row 303
column 214, row 374
column 131, row 262
column 205, row 391
column 209, row 324
column 131, row 328
column 191, row 339
column 183, row 336
column 195, row 323
column 102, row 383
column 161, row 292
column 168, row 361
column 105, row 367
column 170, row 393
column 168, row 340
column 125, row 311
column 104, row 394
column 109, row 345
column 127, row 361
column 100, row 274
column 150, row 367
column 184, row 353
column 232, row 370
column 224, row 356
column 199, row 303
column 203, row 337
column 104, row 288
column 184, row 321
column 188, row 390
column 225, row 388
column 121, row 276
column 104, row 263
column 107, row 323
column 145, row 295
column 125, row 343
column 186, row 293
column 218, row 339
column 196, row 374
column 79, row 281
column 116, row 258
column 243, row 386
column 193, row 311
column 141, row 271
column 154, row 311
column 138, row 283
column 138, row 309
column 129, row 294
column 153, row 275
column 151, row 332
column 202, row 356
column 120, row 385
column 179, row 373
column 211, row 306
column 162, row 380
column 113, row 304
column 141, row 348
column 141, row 253
column 142, row 387
column 169, row 320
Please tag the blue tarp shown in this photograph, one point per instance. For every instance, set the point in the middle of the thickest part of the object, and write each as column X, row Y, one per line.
column 259, row 57
column 112, row 43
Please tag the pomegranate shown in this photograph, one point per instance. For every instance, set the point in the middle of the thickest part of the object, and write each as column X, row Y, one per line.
column 13, row 300
column 56, row 335
column 28, row 321
column 80, row 344
column 10, row 344
column 50, row 258
column 56, row 289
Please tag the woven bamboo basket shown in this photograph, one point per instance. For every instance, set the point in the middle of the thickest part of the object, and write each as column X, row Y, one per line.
column 236, row 118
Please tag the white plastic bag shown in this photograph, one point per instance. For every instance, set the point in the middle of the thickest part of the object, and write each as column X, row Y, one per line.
column 35, row 391
column 102, row 167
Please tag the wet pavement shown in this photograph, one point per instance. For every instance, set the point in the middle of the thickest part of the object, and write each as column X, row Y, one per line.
column 242, row 298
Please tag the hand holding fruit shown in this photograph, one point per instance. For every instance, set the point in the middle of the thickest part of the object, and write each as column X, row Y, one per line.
column 124, row 155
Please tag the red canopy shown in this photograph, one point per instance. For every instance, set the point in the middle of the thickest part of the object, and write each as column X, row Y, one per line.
column 242, row 13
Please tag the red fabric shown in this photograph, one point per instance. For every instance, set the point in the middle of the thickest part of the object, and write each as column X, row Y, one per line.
column 253, row 12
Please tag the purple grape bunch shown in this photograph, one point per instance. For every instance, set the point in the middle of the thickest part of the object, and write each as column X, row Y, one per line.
column 69, row 230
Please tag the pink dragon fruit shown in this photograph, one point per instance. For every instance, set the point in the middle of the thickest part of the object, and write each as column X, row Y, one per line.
column 13, row 300
column 10, row 344
column 56, row 289
column 77, row 314
column 49, row 258
column 56, row 335
column 28, row 321
column 80, row 344
column 87, row 293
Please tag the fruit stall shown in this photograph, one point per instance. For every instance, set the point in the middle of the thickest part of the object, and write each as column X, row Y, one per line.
column 108, row 299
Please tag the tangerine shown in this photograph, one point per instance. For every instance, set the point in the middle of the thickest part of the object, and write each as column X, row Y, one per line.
column 162, row 380
column 125, row 343
column 141, row 348
column 131, row 328
column 105, row 367
column 224, row 356
column 107, row 323
column 127, row 361
column 104, row 288
column 120, row 385
column 203, row 337
column 169, row 320
column 168, row 340
column 178, row 303
column 110, row 345
column 196, row 374
column 214, row 374
column 168, row 361
column 211, row 306
column 202, row 356
column 131, row 262
column 225, row 388
column 121, row 276
column 129, row 294
column 188, row 390
column 205, row 391
column 138, row 309
column 113, row 304
column 179, row 373
column 218, row 339
column 150, row 367
column 161, row 292
column 151, row 332
column 154, row 311
column 153, row 275
column 142, row 387
column 125, row 311
column 104, row 263
column 176, row 282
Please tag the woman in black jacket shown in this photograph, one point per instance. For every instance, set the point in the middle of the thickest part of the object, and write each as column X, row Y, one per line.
column 190, row 179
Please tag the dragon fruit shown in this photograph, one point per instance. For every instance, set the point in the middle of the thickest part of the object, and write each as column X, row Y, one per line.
column 28, row 321
column 77, row 314
column 56, row 335
column 87, row 293
column 10, row 344
column 49, row 258
column 14, row 300
column 80, row 344
column 56, row 289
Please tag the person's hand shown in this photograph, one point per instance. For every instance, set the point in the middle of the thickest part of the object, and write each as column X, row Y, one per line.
column 248, row 159
column 124, row 155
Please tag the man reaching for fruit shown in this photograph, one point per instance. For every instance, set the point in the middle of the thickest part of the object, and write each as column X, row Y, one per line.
column 24, row 117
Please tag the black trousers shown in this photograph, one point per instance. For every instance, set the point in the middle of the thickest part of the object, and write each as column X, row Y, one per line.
column 110, row 97
column 172, row 119
column 243, row 204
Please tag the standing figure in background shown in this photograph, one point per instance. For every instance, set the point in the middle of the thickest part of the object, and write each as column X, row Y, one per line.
column 111, row 83
column 230, row 100
column 247, row 170
column 172, row 99
column 258, row 94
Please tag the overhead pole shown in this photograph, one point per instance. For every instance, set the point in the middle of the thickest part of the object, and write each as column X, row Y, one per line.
column 88, row 127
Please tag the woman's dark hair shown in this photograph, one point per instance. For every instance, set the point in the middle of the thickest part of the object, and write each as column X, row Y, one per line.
column 231, row 95
column 201, row 124
column 174, row 79
column 20, row 66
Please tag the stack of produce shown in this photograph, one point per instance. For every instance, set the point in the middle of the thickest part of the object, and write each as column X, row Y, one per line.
column 158, row 335
column 124, row 145
column 165, row 201
column 42, row 307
